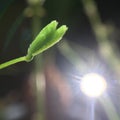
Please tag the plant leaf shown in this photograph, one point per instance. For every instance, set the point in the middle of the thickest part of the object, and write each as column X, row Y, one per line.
column 47, row 37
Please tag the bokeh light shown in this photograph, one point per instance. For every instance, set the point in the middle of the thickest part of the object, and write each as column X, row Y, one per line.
column 93, row 85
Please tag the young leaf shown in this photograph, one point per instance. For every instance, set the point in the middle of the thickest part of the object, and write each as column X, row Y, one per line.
column 48, row 36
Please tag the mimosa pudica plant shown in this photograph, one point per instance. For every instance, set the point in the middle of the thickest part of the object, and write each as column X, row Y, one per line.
column 48, row 36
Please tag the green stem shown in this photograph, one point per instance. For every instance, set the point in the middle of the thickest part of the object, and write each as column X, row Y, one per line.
column 109, row 108
column 11, row 62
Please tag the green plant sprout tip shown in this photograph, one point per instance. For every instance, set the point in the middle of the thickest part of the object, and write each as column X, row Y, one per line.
column 48, row 36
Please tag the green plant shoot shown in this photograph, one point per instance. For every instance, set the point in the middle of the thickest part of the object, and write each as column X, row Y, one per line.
column 47, row 37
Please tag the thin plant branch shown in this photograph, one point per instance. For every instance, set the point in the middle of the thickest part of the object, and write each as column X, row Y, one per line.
column 107, row 51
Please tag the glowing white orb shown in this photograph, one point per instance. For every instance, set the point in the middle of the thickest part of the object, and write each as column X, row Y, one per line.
column 93, row 85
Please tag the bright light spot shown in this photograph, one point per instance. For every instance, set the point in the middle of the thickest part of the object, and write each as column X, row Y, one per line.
column 93, row 85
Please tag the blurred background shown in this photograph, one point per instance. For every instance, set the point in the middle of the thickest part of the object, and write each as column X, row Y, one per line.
column 48, row 88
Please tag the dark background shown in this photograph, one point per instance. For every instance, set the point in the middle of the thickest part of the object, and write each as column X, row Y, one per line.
column 16, row 35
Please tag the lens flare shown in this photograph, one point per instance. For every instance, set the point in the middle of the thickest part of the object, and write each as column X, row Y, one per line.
column 93, row 85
